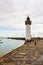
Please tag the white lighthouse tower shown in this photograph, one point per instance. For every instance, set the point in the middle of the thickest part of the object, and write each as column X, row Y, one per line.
column 28, row 29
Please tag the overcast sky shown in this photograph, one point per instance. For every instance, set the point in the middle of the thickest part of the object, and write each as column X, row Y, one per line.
column 14, row 12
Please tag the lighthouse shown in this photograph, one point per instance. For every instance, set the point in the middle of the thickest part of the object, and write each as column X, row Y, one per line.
column 28, row 29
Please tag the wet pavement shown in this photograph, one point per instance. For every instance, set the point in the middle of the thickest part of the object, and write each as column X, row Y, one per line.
column 28, row 54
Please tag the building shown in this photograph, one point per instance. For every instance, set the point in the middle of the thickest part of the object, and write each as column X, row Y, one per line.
column 28, row 29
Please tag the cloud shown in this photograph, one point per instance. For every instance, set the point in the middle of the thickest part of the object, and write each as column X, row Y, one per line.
column 14, row 12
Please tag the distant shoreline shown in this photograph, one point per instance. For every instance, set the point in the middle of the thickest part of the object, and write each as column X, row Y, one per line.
column 23, row 38
column 17, row 38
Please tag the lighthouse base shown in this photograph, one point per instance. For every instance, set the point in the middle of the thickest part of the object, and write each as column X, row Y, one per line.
column 28, row 40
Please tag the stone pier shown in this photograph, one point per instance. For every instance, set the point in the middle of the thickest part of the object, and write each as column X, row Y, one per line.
column 28, row 54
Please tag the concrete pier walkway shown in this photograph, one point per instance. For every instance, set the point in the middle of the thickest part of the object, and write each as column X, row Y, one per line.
column 31, row 53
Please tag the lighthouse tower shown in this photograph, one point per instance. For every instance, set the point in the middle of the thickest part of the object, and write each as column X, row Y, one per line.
column 28, row 29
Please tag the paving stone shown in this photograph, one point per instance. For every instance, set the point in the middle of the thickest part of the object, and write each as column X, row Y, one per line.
column 28, row 54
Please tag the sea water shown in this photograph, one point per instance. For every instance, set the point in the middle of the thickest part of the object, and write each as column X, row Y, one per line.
column 8, row 45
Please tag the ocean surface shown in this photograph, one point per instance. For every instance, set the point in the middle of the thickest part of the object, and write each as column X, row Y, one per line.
column 7, row 45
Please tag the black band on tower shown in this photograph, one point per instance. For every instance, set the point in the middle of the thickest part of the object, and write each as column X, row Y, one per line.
column 28, row 21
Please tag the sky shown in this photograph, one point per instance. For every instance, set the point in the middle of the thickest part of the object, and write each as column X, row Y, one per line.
column 13, row 14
